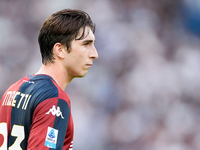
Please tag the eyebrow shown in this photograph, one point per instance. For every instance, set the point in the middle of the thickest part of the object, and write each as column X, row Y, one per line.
column 88, row 41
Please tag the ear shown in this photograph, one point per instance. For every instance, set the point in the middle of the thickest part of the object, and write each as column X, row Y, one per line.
column 59, row 50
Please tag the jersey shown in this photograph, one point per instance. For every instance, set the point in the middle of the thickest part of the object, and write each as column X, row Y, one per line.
column 35, row 113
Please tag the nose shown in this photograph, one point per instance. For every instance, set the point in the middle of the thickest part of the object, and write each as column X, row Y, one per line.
column 94, row 53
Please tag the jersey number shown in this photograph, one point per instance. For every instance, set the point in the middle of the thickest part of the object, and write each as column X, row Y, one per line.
column 17, row 131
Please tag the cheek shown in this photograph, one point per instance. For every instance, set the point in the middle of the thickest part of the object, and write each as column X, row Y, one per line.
column 77, row 57
column 75, row 61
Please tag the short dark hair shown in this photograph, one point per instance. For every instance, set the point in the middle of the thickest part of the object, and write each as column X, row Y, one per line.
column 62, row 27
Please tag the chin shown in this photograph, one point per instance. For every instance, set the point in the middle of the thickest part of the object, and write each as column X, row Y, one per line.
column 81, row 75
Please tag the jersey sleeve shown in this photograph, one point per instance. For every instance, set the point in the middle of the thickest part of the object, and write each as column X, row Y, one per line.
column 49, row 126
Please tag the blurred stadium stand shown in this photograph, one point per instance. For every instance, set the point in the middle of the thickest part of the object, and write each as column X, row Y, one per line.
column 143, row 91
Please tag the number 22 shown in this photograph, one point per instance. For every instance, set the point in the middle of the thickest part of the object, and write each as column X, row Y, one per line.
column 17, row 131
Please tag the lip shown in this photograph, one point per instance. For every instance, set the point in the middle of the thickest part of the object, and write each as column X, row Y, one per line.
column 89, row 65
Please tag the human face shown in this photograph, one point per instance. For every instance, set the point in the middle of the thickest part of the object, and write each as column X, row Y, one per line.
column 81, row 56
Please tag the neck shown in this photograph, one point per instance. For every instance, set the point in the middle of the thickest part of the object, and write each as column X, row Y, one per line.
column 57, row 73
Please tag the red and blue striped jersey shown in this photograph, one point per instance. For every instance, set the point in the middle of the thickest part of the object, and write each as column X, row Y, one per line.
column 35, row 113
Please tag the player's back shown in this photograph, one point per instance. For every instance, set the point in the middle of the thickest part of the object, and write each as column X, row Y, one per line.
column 17, row 107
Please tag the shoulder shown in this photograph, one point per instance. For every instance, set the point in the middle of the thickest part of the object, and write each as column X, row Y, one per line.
column 44, row 88
column 62, row 95
column 40, row 87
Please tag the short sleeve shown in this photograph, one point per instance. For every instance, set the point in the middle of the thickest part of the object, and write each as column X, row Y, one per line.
column 49, row 126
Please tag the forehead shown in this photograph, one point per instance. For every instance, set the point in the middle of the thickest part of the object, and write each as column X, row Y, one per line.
column 88, row 34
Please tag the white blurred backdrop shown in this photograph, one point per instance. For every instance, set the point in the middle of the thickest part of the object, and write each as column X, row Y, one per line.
column 143, row 91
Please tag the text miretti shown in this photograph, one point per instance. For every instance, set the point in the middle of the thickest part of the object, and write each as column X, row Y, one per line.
column 16, row 99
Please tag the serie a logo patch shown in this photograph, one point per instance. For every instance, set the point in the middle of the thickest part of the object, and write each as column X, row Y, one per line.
column 51, row 137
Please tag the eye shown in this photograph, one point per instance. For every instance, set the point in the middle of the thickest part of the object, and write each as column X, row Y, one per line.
column 87, row 43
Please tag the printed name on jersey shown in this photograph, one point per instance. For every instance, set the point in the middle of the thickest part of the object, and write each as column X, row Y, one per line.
column 16, row 99
column 54, row 112
column 51, row 138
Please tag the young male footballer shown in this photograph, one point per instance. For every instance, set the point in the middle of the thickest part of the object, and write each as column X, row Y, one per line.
column 35, row 112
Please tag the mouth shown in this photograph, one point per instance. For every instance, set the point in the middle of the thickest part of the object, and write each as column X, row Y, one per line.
column 88, row 65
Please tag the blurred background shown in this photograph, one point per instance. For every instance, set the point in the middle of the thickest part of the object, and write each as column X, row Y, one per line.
column 143, row 93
